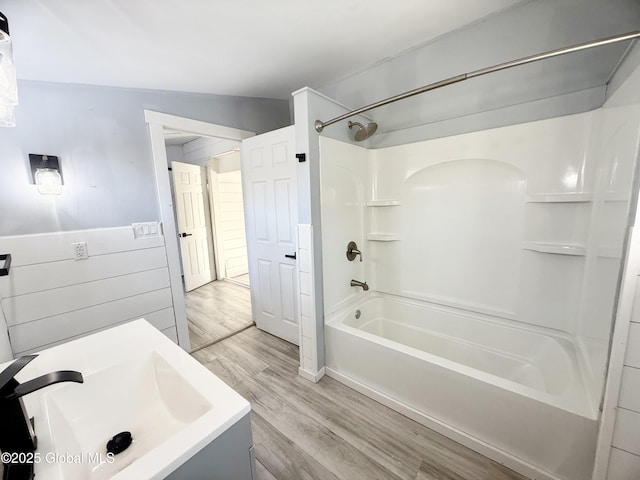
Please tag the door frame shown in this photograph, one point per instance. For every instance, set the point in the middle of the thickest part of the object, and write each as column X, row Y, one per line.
column 157, row 121
column 214, row 214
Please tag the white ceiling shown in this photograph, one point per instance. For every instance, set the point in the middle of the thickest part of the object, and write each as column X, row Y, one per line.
column 259, row 48
column 177, row 137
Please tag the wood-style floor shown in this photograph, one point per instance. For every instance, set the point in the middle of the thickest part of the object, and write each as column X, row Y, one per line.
column 241, row 279
column 216, row 310
column 327, row 431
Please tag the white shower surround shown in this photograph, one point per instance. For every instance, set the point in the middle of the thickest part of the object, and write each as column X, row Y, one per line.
column 558, row 191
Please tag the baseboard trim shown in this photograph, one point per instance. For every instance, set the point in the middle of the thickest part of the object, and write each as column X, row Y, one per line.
column 312, row 377
column 484, row 448
column 237, row 282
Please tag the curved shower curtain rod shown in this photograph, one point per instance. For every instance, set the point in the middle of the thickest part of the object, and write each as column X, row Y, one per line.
column 319, row 125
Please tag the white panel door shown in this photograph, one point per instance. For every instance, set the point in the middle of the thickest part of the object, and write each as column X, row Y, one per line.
column 192, row 205
column 271, row 214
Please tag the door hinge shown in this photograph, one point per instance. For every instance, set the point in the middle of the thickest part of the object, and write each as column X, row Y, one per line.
column 302, row 157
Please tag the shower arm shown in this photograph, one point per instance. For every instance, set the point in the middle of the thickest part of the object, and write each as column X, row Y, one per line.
column 319, row 125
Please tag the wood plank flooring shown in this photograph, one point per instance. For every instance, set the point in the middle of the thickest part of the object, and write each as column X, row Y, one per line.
column 216, row 310
column 241, row 279
column 327, row 431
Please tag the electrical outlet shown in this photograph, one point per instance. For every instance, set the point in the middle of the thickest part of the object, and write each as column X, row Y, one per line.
column 80, row 251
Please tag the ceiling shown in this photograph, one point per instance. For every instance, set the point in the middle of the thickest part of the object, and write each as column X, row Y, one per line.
column 255, row 48
column 178, row 137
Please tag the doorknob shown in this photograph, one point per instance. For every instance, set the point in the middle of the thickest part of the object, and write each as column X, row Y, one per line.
column 291, row 256
column 185, row 234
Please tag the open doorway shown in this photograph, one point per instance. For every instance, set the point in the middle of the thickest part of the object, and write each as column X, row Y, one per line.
column 206, row 187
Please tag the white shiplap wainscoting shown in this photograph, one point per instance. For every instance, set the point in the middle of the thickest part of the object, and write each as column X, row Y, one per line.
column 49, row 297
column 231, row 223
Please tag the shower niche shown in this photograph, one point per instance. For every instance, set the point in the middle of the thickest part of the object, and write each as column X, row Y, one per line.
column 383, row 221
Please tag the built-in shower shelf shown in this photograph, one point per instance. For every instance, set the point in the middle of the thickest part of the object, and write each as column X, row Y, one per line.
column 383, row 237
column 560, row 198
column 555, row 248
column 382, row 203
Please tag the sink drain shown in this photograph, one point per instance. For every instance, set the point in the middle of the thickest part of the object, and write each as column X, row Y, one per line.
column 119, row 443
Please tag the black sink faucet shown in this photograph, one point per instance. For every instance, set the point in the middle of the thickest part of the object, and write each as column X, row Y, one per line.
column 17, row 436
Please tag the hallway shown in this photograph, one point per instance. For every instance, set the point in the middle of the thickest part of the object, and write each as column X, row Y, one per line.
column 217, row 310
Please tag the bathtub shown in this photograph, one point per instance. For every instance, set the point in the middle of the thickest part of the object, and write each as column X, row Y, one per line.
column 512, row 394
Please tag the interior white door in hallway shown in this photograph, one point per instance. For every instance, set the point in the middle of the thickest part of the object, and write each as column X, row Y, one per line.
column 271, row 214
column 194, row 230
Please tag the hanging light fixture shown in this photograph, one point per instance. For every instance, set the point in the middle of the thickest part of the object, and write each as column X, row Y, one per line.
column 8, row 85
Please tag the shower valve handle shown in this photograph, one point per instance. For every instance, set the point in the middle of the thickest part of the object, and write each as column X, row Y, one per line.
column 353, row 252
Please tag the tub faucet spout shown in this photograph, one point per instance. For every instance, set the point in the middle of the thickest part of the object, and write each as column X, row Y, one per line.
column 356, row 283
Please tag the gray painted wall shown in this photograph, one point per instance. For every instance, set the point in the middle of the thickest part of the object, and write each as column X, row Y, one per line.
column 571, row 84
column 102, row 141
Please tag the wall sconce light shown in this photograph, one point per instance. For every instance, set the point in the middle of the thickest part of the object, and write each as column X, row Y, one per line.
column 8, row 84
column 46, row 174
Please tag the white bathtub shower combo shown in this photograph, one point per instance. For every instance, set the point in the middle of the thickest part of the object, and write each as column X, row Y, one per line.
column 493, row 259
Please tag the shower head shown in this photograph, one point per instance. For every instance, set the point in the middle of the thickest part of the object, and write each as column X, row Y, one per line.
column 364, row 131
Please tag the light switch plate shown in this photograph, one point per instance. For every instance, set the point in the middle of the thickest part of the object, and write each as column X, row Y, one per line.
column 146, row 229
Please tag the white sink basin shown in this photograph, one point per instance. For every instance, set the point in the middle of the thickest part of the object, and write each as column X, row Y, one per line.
column 136, row 380
column 148, row 397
